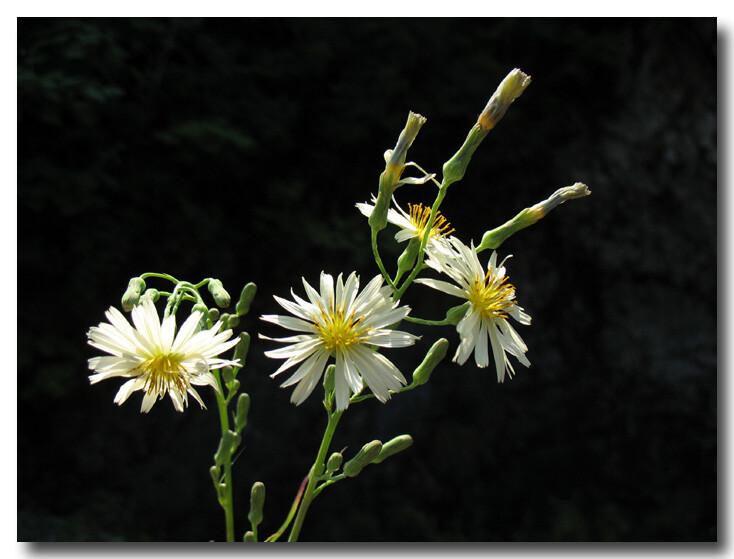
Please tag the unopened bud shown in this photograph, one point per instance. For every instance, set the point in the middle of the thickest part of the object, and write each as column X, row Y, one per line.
column 430, row 361
column 365, row 456
column 527, row 217
column 246, row 297
column 213, row 314
column 509, row 89
column 249, row 536
column 243, row 408
column 407, row 259
column 329, row 379
column 393, row 446
column 132, row 294
column 455, row 314
column 220, row 295
column 152, row 294
column 227, row 445
column 334, row 463
column 242, row 347
column 257, row 500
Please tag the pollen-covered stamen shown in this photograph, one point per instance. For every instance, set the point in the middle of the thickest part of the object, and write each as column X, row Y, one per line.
column 163, row 373
column 419, row 215
column 336, row 329
column 492, row 296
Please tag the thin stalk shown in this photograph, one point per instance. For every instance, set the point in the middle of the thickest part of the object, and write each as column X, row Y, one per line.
column 316, row 470
column 376, row 253
column 227, row 503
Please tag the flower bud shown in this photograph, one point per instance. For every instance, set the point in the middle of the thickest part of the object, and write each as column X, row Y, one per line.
column 509, row 89
column 257, row 500
column 243, row 408
column 246, row 297
column 393, row 446
column 220, row 295
column 455, row 314
column 249, row 536
column 213, row 314
column 132, row 294
column 430, row 361
column 365, row 456
column 227, row 445
column 329, row 379
column 227, row 374
column 334, row 463
column 407, row 259
column 527, row 217
column 152, row 294
column 242, row 347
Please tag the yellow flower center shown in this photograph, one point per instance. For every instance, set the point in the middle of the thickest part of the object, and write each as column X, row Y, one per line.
column 492, row 296
column 419, row 215
column 338, row 330
column 162, row 373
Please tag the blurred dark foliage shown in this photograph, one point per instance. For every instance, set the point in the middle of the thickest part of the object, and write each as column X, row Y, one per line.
column 237, row 149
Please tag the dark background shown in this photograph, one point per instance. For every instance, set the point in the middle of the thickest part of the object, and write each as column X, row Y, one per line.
column 237, row 149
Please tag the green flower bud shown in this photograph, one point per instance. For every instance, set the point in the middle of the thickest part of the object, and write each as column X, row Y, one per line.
column 152, row 294
column 213, row 315
column 455, row 314
column 257, row 500
column 216, row 474
column 407, row 259
column 393, row 446
column 365, row 456
column 242, row 347
column 220, row 295
column 227, row 374
column 334, row 463
column 229, row 320
column 243, row 408
column 132, row 294
column 329, row 379
column 430, row 361
column 527, row 217
column 246, row 297
column 249, row 536
column 227, row 445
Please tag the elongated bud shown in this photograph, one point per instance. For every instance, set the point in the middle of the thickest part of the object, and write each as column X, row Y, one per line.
column 243, row 409
column 242, row 347
column 257, row 500
column 246, row 297
column 227, row 445
column 365, row 456
column 455, row 314
column 430, row 361
column 216, row 474
column 509, row 89
column 329, row 379
column 334, row 463
column 407, row 259
column 394, row 167
column 132, row 294
column 527, row 217
column 393, row 446
column 220, row 295
column 227, row 374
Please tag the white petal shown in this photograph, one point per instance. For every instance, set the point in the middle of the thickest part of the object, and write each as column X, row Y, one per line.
column 442, row 286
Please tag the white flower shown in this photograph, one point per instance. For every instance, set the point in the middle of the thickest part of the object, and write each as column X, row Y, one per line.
column 155, row 360
column 339, row 322
column 492, row 300
column 413, row 225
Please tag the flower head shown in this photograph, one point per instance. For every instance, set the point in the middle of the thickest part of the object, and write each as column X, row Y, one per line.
column 338, row 321
column 413, row 224
column 156, row 358
column 492, row 302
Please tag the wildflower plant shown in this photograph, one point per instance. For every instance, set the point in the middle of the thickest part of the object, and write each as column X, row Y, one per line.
column 341, row 331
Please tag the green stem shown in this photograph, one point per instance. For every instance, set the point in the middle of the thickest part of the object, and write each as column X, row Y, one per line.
column 376, row 253
column 426, row 322
column 316, row 470
column 227, row 503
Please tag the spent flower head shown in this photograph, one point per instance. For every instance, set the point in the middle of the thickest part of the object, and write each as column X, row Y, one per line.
column 492, row 302
column 338, row 321
column 158, row 360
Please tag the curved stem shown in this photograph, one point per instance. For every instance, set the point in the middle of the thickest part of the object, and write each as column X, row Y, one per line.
column 376, row 253
column 316, row 470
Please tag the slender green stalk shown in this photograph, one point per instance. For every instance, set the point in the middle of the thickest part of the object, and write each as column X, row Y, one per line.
column 227, row 501
column 316, row 470
column 376, row 253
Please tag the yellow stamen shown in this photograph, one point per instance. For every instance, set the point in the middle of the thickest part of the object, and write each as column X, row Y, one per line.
column 419, row 215
column 163, row 373
column 338, row 330
column 492, row 296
